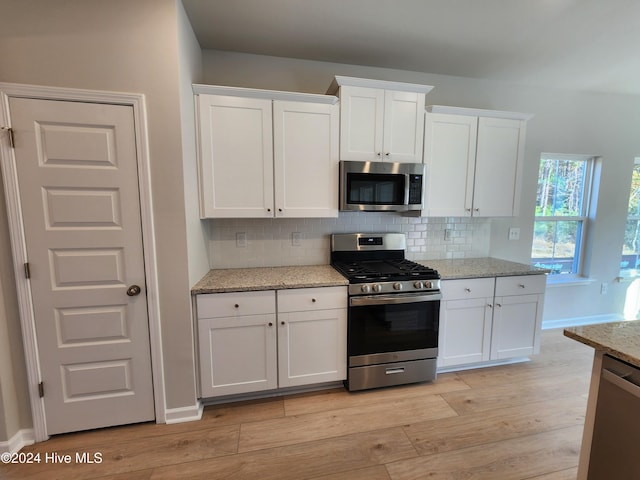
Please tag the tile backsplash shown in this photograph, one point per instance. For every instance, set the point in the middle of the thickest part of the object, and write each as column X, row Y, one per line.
column 239, row 243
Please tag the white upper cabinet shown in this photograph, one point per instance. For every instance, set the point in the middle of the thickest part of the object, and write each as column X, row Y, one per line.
column 380, row 120
column 236, row 156
column 474, row 162
column 266, row 153
column 306, row 160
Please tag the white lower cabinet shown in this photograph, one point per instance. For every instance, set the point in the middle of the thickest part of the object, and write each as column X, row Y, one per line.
column 312, row 336
column 246, row 344
column 483, row 319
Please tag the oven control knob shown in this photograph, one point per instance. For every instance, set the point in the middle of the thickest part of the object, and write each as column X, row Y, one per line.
column 428, row 285
column 365, row 288
column 397, row 286
column 417, row 285
column 376, row 288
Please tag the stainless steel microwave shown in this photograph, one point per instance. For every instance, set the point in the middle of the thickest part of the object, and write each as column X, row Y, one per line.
column 381, row 186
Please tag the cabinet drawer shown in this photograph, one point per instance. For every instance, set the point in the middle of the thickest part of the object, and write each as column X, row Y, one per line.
column 467, row 288
column 303, row 299
column 520, row 285
column 215, row 305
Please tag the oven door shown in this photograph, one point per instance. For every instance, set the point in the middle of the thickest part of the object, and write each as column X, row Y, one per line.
column 392, row 328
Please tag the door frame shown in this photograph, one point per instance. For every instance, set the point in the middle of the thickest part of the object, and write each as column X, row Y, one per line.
column 18, row 241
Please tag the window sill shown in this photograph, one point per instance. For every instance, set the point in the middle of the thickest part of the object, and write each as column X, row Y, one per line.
column 628, row 276
column 567, row 281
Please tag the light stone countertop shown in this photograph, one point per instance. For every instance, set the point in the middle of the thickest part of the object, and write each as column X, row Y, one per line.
column 304, row 276
column 619, row 339
column 480, row 267
column 268, row 278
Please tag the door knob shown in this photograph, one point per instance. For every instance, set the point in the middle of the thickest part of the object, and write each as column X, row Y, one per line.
column 133, row 290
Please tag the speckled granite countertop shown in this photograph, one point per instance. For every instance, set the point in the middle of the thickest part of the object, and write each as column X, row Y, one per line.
column 268, row 278
column 480, row 267
column 618, row 339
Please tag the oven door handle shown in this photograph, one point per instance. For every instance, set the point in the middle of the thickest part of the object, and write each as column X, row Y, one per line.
column 393, row 299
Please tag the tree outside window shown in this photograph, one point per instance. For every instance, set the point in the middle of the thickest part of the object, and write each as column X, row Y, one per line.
column 561, row 213
column 630, row 261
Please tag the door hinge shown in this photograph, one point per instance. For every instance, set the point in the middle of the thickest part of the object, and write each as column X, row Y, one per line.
column 11, row 138
column 41, row 389
column 27, row 270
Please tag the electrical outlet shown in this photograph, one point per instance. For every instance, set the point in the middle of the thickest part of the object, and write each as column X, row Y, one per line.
column 296, row 239
column 241, row 239
column 514, row 233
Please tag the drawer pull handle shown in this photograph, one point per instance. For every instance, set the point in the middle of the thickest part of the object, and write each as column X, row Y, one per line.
column 392, row 371
column 521, row 285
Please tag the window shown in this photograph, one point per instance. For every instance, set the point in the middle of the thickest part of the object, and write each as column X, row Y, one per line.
column 630, row 260
column 564, row 183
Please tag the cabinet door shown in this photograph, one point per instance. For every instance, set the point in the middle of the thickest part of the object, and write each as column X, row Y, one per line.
column 236, row 156
column 498, row 167
column 312, row 347
column 403, row 128
column 465, row 331
column 450, row 156
column 516, row 326
column 306, row 159
column 361, row 123
column 237, row 354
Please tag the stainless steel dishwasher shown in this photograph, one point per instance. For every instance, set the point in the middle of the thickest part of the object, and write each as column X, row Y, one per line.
column 616, row 432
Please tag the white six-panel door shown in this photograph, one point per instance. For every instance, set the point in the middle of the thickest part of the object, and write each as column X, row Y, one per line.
column 78, row 182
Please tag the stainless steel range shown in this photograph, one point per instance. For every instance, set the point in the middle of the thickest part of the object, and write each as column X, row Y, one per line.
column 394, row 311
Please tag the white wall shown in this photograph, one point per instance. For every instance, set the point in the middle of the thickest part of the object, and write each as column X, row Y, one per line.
column 122, row 46
column 565, row 122
column 190, row 63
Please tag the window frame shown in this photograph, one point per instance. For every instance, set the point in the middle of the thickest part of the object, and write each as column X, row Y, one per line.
column 583, row 219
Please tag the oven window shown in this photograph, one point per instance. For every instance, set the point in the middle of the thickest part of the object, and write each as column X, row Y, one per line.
column 375, row 189
column 393, row 328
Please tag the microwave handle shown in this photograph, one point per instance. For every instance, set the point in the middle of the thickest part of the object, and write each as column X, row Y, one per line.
column 407, row 185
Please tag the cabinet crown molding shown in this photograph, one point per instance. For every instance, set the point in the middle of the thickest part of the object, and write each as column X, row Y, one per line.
column 265, row 94
column 478, row 112
column 340, row 81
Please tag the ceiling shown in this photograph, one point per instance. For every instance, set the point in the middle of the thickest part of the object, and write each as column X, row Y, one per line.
column 589, row 45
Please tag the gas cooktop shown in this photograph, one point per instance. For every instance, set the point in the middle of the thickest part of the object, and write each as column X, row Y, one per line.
column 384, row 270
column 375, row 263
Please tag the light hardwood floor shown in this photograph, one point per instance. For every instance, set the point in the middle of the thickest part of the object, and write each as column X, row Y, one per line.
column 521, row 421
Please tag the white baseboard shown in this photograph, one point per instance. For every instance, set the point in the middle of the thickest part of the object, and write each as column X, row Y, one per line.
column 184, row 414
column 578, row 321
column 21, row 439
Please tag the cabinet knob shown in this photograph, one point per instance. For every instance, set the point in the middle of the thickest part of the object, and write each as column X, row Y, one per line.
column 467, row 209
column 313, row 300
column 521, row 285
column 270, row 324
column 499, row 305
column 476, row 209
column 237, row 306
column 387, row 154
column 268, row 209
column 467, row 289
column 489, row 305
column 378, row 154
column 280, row 210
column 282, row 323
